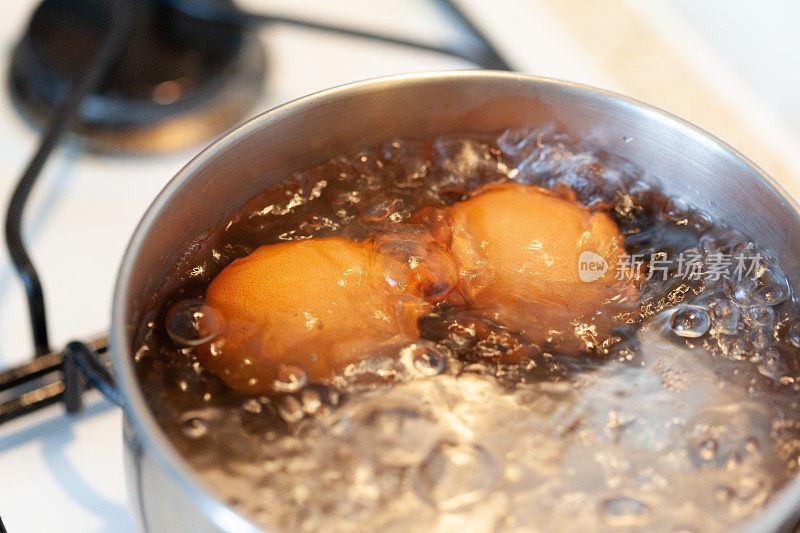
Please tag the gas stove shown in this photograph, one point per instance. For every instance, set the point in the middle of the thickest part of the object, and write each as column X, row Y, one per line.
column 137, row 130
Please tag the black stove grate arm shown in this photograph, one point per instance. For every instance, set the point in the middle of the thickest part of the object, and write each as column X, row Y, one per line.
column 486, row 56
column 57, row 377
column 60, row 123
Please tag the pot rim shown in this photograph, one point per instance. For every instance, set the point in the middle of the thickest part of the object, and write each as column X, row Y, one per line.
column 783, row 505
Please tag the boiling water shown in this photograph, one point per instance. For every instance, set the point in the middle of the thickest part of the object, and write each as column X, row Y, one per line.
column 687, row 421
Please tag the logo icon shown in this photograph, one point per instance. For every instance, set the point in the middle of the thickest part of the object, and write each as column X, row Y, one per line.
column 591, row 266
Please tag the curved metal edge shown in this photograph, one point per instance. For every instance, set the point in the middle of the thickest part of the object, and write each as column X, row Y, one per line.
column 774, row 516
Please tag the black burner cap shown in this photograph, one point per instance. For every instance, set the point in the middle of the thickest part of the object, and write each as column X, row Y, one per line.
column 178, row 81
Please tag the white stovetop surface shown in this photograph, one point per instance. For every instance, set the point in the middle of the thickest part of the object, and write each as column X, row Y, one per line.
column 722, row 66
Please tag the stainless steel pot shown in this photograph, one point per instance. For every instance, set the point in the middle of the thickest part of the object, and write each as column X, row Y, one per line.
column 165, row 494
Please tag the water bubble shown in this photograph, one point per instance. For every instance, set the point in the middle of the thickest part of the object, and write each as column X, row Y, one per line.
column 399, row 434
column 409, row 164
column 517, row 142
column 740, row 291
column 624, row 511
column 424, row 358
column 623, row 345
column 772, row 366
column 708, row 449
column 194, row 426
column 700, row 222
column 751, row 445
column 793, row 334
column 690, row 321
column 677, row 211
column 709, row 245
column 724, row 493
column 463, row 159
column 141, row 353
column 726, row 317
column 334, row 397
column 499, row 344
column 772, row 293
column 192, row 322
column 760, row 339
column 733, row 347
column 408, row 262
column 311, row 401
column 289, row 379
column 454, row 475
column 290, row 409
column 390, row 209
column 760, row 316
column 462, row 333
column 252, row 406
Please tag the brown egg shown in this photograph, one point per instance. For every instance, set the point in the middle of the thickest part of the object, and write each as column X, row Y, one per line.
column 518, row 250
column 304, row 311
